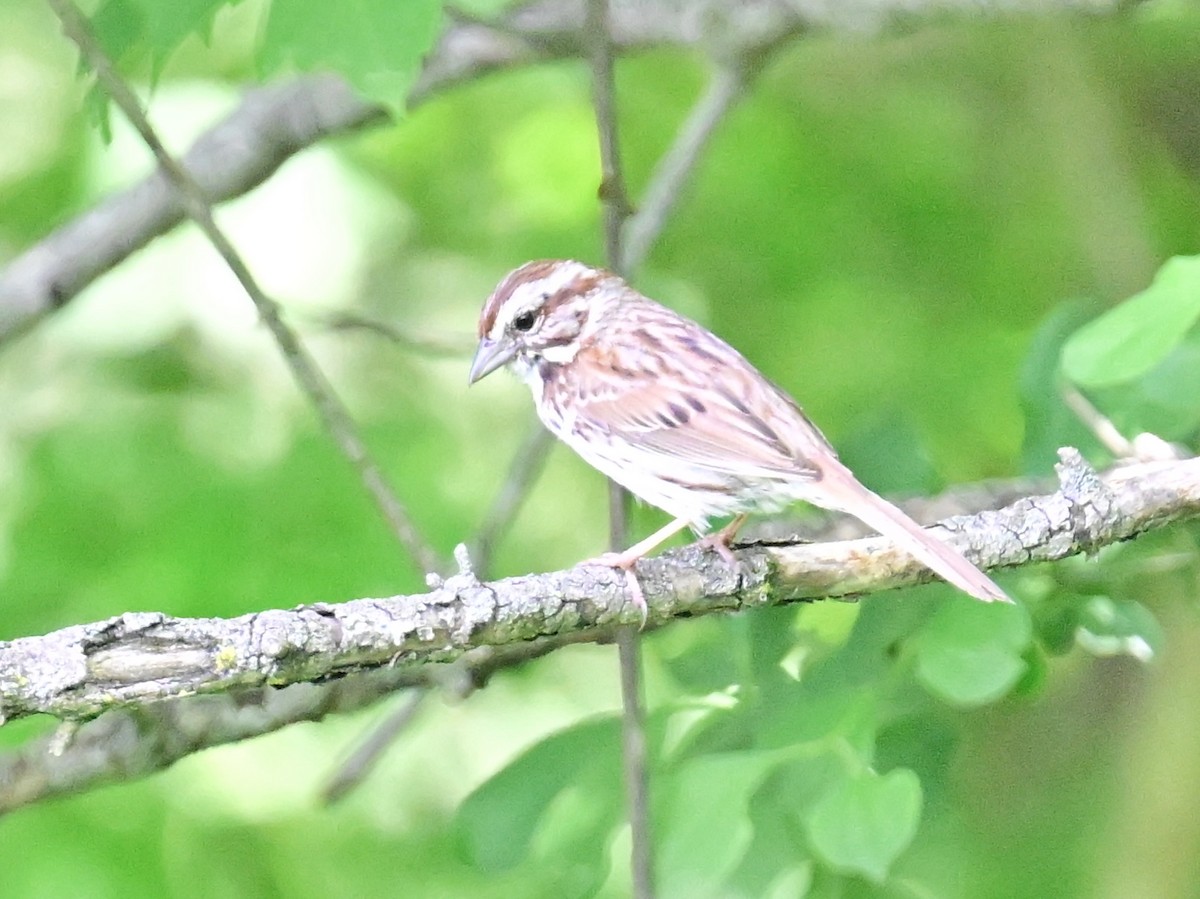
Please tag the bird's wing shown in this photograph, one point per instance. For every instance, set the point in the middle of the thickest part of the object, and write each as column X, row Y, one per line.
column 669, row 388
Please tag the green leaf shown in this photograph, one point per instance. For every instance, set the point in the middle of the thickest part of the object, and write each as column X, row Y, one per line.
column 498, row 820
column 1055, row 623
column 970, row 653
column 864, row 822
column 573, row 835
column 119, row 26
column 129, row 28
column 778, row 863
column 1130, row 339
column 376, row 44
column 1110, row 627
column 169, row 24
column 132, row 30
column 821, row 711
column 1154, row 402
column 706, row 827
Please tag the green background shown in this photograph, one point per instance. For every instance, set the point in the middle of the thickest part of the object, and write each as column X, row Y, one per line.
column 899, row 228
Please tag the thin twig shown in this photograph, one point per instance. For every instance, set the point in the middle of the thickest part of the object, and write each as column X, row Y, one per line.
column 362, row 761
column 617, row 209
column 615, row 200
column 197, row 206
column 678, row 163
column 527, row 466
column 1144, row 447
column 435, row 346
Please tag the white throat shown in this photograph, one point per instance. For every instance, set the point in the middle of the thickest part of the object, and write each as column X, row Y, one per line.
column 561, row 354
column 525, row 369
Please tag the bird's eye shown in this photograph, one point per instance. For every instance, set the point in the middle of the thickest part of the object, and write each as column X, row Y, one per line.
column 524, row 321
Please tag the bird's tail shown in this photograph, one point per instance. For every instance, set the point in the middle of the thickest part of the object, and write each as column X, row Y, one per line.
column 848, row 495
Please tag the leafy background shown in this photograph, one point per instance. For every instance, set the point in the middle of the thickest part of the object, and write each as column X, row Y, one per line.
column 902, row 229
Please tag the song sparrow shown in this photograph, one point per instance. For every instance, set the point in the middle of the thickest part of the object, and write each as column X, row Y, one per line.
column 675, row 415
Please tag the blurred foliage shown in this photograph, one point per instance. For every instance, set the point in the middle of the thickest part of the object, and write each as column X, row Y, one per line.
column 904, row 230
column 376, row 44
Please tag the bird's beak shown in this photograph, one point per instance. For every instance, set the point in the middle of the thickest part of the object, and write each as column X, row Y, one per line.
column 490, row 355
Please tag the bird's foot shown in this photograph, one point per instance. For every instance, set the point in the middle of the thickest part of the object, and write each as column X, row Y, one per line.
column 625, row 562
column 720, row 545
column 721, row 540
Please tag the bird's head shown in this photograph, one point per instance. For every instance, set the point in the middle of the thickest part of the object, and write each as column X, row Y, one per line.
column 541, row 313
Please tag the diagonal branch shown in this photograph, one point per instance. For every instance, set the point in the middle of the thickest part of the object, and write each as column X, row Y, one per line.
column 673, row 171
column 274, row 123
column 196, row 206
column 527, row 465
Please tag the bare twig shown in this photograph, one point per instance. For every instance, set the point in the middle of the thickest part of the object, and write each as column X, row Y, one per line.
column 198, row 208
column 671, row 174
column 527, row 466
column 1144, row 447
column 635, row 758
column 436, row 346
column 615, row 201
column 362, row 760
column 616, row 209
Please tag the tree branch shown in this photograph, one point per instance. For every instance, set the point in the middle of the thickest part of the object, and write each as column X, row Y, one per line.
column 82, row 671
column 139, row 658
column 274, row 123
column 125, row 744
column 671, row 174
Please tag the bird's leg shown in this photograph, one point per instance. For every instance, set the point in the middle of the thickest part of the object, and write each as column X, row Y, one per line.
column 626, row 560
column 719, row 542
column 638, row 550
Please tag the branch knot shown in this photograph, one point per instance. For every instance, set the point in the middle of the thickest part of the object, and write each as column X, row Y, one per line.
column 1091, row 502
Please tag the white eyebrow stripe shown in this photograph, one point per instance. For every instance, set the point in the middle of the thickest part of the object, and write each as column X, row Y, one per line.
column 532, row 294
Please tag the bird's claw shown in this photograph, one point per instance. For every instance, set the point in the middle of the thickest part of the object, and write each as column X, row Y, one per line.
column 719, row 544
column 624, row 563
column 721, row 540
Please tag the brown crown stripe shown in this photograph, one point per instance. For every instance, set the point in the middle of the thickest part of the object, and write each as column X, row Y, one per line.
column 583, row 284
column 530, row 273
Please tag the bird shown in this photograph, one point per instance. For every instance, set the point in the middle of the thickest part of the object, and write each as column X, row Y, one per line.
column 675, row 415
